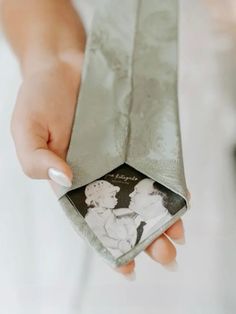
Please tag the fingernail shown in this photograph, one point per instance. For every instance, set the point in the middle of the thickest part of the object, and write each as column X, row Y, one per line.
column 59, row 177
column 172, row 266
column 130, row 276
column 189, row 196
column 180, row 241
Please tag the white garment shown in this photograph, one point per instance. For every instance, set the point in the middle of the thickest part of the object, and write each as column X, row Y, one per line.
column 45, row 267
column 118, row 234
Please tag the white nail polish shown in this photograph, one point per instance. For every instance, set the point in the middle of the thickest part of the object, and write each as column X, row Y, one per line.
column 179, row 241
column 189, row 195
column 172, row 266
column 130, row 276
column 59, row 177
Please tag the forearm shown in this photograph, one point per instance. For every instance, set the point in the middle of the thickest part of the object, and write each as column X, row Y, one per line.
column 41, row 32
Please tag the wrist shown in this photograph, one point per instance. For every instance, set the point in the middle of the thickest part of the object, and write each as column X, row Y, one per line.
column 68, row 62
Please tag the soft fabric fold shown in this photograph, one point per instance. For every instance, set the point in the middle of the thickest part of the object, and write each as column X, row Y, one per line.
column 127, row 110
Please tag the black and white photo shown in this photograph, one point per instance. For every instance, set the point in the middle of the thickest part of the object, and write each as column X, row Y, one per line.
column 125, row 207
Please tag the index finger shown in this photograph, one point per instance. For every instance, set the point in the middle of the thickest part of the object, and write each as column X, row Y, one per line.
column 176, row 232
column 127, row 270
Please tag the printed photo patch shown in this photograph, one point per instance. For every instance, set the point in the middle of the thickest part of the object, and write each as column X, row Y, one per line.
column 125, row 207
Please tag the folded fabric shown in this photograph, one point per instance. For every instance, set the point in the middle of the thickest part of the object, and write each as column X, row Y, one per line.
column 127, row 109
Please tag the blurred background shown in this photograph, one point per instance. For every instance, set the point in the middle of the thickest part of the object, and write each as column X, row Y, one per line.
column 44, row 265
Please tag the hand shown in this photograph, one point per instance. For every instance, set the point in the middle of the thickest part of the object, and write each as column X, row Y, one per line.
column 43, row 116
column 41, row 128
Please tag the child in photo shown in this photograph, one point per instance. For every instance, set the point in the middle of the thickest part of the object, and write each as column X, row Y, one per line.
column 117, row 233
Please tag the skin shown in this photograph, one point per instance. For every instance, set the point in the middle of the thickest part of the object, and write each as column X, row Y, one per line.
column 48, row 39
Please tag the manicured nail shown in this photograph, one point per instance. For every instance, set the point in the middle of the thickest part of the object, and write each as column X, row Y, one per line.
column 130, row 276
column 59, row 177
column 189, row 196
column 180, row 241
column 172, row 266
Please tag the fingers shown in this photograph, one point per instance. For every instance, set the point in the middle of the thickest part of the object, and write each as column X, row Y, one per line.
column 161, row 250
column 127, row 270
column 37, row 160
column 176, row 232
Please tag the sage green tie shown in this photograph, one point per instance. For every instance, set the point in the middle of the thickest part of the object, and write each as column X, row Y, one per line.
column 127, row 109
column 128, row 104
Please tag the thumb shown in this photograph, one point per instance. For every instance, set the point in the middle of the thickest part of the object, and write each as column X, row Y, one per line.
column 37, row 160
